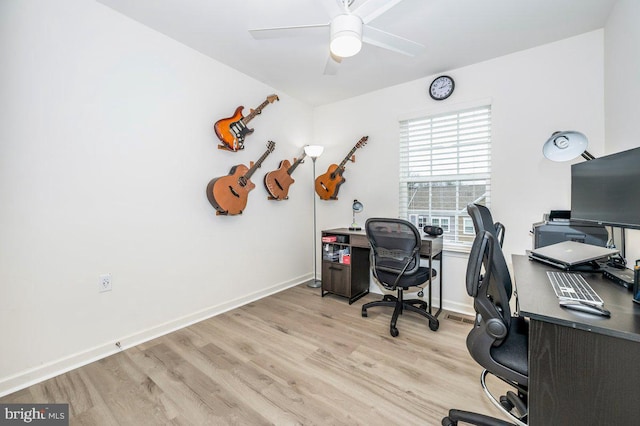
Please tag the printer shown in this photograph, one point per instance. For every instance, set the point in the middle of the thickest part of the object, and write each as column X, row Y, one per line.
column 557, row 227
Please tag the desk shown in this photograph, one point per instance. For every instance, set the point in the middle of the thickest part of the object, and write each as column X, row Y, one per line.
column 583, row 369
column 352, row 280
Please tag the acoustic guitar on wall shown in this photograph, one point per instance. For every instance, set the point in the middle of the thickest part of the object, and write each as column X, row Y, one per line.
column 232, row 131
column 328, row 184
column 229, row 194
column 278, row 181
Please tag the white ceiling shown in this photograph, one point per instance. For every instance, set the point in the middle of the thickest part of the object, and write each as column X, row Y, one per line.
column 455, row 32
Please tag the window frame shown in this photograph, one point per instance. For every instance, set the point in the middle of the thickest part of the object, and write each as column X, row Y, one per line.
column 430, row 181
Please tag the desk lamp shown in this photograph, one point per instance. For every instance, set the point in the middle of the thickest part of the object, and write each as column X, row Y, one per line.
column 357, row 207
column 565, row 146
column 314, row 151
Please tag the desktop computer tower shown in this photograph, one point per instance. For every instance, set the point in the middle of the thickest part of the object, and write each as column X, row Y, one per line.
column 552, row 232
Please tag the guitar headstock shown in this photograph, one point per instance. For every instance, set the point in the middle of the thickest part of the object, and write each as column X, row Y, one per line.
column 362, row 142
column 272, row 98
column 271, row 145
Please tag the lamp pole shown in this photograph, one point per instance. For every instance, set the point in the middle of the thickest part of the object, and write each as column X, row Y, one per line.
column 314, row 151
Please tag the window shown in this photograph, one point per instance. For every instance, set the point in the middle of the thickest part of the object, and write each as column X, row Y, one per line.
column 442, row 222
column 445, row 164
column 468, row 226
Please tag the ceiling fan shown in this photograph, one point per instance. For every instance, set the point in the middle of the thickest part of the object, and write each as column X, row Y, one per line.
column 348, row 30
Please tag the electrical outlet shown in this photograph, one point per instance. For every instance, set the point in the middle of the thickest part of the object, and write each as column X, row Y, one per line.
column 104, row 283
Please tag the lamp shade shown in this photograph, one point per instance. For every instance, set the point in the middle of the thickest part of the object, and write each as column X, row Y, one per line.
column 313, row 151
column 565, row 146
column 346, row 35
column 357, row 206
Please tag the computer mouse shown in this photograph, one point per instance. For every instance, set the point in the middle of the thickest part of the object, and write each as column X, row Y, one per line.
column 584, row 307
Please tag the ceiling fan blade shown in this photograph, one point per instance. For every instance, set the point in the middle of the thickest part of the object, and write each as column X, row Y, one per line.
column 390, row 41
column 333, row 63
column 295, row 31
column 374, row 8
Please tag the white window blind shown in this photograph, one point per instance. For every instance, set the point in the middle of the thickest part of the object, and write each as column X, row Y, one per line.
column 445, row 164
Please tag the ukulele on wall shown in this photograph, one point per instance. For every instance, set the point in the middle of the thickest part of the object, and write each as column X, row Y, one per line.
column 328, row 184
column 232, row 131
column 278, row 181
column 228, row 194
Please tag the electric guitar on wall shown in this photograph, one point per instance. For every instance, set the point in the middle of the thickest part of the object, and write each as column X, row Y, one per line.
column 278, row 181
column 232, row 131
column 228, row 194
column 328, row 184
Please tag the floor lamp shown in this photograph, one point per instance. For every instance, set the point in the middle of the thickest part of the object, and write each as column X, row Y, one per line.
column 314, row 151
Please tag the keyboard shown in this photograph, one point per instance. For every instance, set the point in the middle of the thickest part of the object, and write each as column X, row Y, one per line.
column 569, row 286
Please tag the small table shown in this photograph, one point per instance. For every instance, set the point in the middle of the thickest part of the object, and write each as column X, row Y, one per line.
column 351, row 280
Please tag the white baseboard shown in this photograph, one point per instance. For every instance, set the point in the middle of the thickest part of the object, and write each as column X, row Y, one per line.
column 459, row 308
column 54, row 368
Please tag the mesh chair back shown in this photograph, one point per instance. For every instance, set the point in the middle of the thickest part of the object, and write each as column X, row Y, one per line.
column 483, row 221
column 395, row 245
column 491, row 300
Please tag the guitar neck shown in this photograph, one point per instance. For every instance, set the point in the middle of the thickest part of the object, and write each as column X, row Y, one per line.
column 257, row 164
column 255, row 112
column 341, row 166
column 297, row 162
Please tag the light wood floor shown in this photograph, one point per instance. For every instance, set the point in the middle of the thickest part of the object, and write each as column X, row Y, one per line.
column 293, row 358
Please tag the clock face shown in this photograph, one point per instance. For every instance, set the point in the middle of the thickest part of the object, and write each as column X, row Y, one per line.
column 441, row 88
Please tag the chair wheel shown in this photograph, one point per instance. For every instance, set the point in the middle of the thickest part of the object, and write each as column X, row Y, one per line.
column 448, row 422
column 434, row 325
column 420, row 293
column 504, row 401
column 364, row 312
column 394, row 332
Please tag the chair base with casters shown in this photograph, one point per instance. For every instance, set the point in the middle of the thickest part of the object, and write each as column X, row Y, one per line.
column 510, row 401
column 400, row 305
column 456, row 416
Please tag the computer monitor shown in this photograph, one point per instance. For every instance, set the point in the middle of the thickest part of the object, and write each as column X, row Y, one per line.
column 607, row 190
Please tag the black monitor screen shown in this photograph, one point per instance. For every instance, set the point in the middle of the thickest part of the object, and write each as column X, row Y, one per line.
column 607, row 190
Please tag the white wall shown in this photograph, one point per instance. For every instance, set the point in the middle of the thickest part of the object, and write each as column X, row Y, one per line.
column 106, row 148
column 622, row 90
column 533, row 93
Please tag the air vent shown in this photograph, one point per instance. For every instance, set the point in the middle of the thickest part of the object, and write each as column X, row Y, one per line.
column 460, row 318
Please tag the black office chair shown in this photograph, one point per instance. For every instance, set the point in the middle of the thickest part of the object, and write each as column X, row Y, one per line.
column 395, row 264
column 483, row 221
column 498, row 341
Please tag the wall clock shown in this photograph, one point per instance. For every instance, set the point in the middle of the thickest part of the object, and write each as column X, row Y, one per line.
column 441, row 88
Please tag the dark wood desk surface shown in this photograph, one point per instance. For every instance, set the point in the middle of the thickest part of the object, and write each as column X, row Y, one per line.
column 582, row 367
column 538, row 301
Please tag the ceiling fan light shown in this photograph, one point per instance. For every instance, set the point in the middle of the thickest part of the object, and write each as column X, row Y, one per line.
column 345, row 44
column 346, row 35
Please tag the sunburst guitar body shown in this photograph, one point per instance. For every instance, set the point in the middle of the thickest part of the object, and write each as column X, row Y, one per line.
column 233, row 130
column 229, row 194
column 328, row 184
